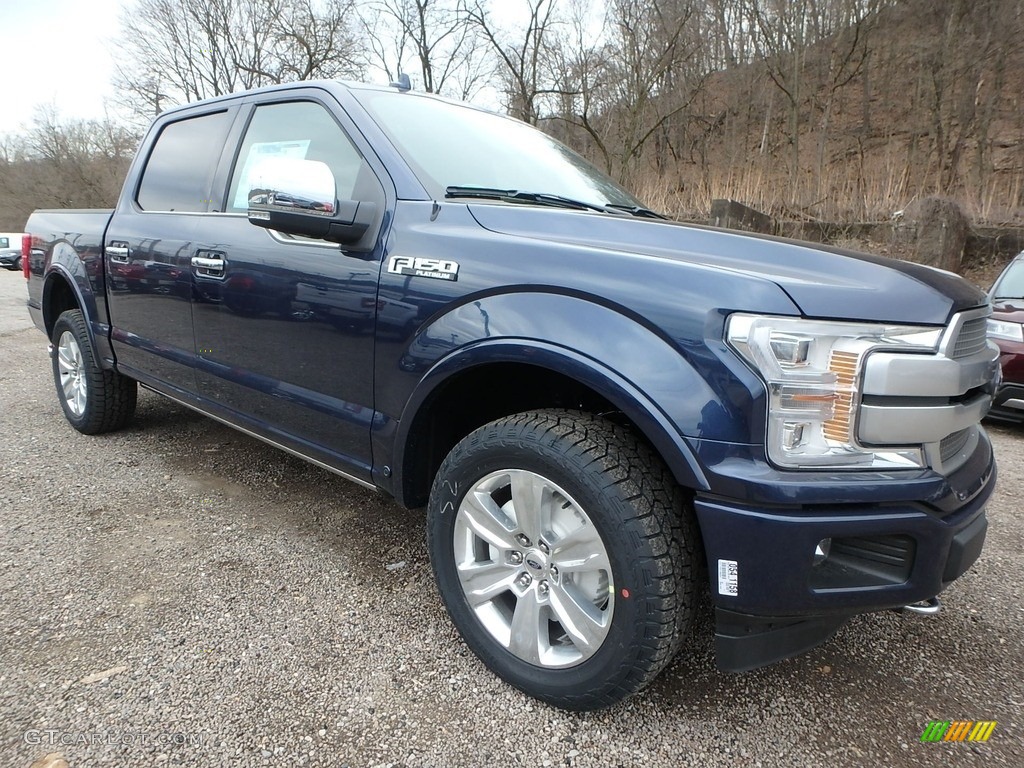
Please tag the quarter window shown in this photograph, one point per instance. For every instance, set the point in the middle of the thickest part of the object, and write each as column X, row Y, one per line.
column 181, row 166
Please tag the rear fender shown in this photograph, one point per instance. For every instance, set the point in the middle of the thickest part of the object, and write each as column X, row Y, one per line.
column 66, row 266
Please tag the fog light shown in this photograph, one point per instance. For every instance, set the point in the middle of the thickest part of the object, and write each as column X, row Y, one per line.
column 821, row 551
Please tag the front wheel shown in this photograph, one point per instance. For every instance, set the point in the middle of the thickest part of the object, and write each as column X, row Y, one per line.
column 94, row 400
column 563, row 552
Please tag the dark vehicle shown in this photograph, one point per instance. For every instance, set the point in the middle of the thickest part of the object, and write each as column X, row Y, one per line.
column 1006, row 329
column 10, row 252
column 605, row 413
column 10, row 258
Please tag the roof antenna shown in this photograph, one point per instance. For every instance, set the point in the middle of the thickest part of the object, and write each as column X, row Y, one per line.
column 403, row 83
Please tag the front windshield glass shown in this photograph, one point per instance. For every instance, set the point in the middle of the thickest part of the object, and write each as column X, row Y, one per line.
column 453, row 145
column 1011, row 284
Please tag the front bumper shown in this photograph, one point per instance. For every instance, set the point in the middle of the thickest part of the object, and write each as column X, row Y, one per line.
column 773, row 600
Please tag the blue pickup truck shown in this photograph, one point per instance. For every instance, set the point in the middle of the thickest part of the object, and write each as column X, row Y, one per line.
column 612, row 419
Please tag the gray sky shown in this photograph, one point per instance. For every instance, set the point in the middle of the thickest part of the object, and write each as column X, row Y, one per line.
column 56, row 51
column 61, row 52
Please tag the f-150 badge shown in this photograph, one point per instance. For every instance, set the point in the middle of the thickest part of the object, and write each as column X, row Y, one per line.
column 439, row 269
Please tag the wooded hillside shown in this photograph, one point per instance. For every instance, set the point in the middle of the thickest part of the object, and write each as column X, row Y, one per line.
column 816, row 109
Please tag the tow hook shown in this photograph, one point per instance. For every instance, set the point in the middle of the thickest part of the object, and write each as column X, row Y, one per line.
column 928, row 607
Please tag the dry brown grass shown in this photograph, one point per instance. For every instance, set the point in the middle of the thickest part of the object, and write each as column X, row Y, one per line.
column 844, row 197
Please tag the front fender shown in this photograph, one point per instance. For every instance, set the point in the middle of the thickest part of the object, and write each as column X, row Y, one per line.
column 648, row 417
column 671, row 389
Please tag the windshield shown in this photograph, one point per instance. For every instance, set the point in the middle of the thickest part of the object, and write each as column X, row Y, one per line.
column 450, row 145
column 1010, row 284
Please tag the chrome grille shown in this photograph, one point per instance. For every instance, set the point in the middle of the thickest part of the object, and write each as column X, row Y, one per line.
column 973, row 338
column 952, row 444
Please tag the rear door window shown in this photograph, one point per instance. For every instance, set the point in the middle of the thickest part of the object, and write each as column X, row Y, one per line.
column 182, row 164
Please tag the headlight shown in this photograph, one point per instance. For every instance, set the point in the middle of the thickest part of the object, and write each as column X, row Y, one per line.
column 1002, row 329
column 813, row 370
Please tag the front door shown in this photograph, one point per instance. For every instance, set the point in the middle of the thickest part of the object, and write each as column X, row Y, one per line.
column 283, row 325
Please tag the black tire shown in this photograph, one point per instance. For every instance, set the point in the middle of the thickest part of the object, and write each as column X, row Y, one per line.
column 607, row 478
column 108, row 399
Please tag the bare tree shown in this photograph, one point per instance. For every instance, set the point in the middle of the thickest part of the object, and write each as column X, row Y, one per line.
column 525, row 55
column 581, row 67
column 781, row 36
column 727, row 32
column 790, row 35
column 635, row 82
column 786, row 103
column 846, row 27
column 444, row 46
column 62, row 164
column 184, row 50
column 970, row 51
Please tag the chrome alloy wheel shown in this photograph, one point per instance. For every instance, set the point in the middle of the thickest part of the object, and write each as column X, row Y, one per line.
column 72, row 373
column 534, row 569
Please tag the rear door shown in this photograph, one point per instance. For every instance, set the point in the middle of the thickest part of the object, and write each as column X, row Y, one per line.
column 149, row 245
column 284, row 325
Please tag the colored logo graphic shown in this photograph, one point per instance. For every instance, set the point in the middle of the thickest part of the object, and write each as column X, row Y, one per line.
column 958, row 730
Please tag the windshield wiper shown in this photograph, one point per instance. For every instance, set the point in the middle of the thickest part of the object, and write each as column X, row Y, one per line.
column 514, row 195
column 637, row 210
column 1008, row 298
column 546, row 198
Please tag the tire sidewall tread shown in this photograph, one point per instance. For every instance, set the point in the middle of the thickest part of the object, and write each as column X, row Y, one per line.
column 110, row 396
column 636, row 506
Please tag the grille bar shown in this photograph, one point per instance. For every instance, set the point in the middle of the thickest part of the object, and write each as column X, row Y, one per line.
column 952, row 444
column 973, row 337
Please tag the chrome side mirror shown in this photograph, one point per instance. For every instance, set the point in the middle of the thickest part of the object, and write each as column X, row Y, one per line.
column 298, row 197
column 292, row 185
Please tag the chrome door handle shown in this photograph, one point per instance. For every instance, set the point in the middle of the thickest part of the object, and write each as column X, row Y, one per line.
column 118, row 253
column 201, row 262
column 208, row 267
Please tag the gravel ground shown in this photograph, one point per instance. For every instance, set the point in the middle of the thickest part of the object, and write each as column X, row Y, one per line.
column 179, row 594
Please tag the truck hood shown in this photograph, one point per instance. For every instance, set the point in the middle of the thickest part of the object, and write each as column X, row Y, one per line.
column 824, row 282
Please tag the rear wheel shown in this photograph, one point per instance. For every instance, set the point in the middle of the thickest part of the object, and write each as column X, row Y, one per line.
column 564, row 555
column 94, row 400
